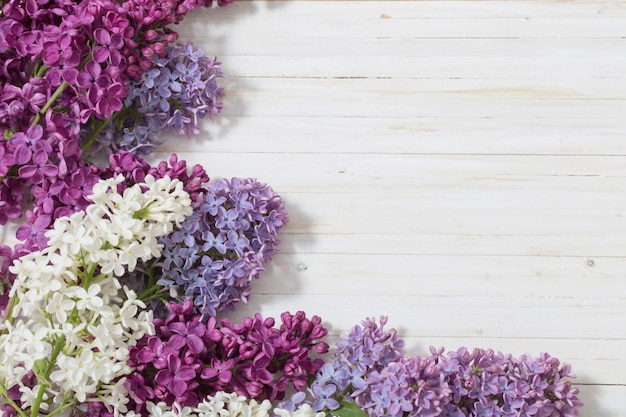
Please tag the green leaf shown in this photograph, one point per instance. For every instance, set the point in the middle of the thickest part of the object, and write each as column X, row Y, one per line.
column 348, row 409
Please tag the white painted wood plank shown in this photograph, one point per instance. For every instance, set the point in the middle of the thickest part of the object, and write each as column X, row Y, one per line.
column 572, row 67
column 391, row 98
column 603, row 400
column 442, row 135
column 608, row 247
column 405, row 19
column 258, row 11
column 450, row 275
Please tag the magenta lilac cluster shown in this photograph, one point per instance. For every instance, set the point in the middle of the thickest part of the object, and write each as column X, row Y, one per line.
column 173, row 94
column 370, row 370
column 66, row 73
column 224, row 244
column 188, row 359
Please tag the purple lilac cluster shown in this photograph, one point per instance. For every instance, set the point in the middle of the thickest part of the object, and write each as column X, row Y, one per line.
column 173, row 94
column 486, row 383
column 223, row 245
column 370, row 370
column 66, row 70
column 187, row 359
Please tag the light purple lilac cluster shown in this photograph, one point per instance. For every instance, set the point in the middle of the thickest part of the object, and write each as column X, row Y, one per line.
column 173, row 94
column 67, row 67
column 224, row 244
column 370, row 370
column 188, row 359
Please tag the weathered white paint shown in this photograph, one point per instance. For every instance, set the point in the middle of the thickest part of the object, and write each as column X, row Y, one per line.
column 457, row 165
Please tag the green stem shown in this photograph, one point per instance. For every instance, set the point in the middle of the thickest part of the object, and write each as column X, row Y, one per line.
column 94, row 135
column 60, row 343
column 7, row 400
column 8, row 314
column 61, row 408
column 41, row 71
column 51, row 101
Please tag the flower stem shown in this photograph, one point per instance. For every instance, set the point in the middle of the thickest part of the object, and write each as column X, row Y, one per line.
column 94, row 135
column 7, row 400
column 8, row 314
column 50, row 101
column 60, row 343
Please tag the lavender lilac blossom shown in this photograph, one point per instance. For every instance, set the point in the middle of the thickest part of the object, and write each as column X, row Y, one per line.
column 173, row 94
column 370, row 370
column 187, row 359
column 224, row 244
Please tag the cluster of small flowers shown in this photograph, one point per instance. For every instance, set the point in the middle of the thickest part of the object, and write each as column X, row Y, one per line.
column 188, row 359
column 174, row 94
column 68, row 330
column 370, row 370
column 67, row 196
column 66, row 69
column 221, row 404
column 367, row 348
column 224, row 244
column 224, row 404
column 485, row 383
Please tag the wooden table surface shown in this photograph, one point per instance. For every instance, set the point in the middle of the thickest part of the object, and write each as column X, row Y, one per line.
column 458, row 166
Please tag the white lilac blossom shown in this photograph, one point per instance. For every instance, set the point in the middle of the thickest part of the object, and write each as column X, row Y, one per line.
column 66, row 334
column 221, row 404
column 303, row 410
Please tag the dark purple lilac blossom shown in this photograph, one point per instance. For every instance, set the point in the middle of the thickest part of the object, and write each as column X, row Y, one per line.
column 224, row 244
column 189, row 359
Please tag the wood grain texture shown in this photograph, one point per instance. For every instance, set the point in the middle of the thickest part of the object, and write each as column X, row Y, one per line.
column 457, row 165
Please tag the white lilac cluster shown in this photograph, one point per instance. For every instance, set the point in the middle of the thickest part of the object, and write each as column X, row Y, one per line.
column 222, row 404
column 67, row 332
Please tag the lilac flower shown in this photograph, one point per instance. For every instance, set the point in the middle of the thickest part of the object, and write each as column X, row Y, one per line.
column 109, row 46
column 223, row 253
column 254, row 358
column 189, row 334
column 179, row 88
column 324, row 397
column 369, row 369
column 175, row 376
column 28, row 143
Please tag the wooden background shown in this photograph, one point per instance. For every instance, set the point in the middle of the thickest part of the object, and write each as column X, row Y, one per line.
column 456, row 165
